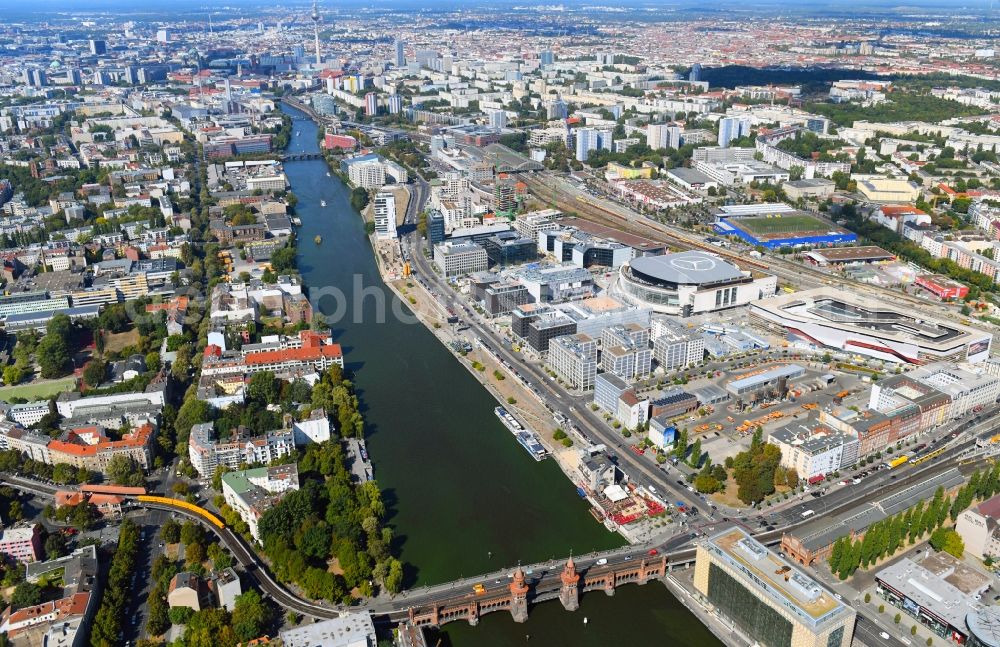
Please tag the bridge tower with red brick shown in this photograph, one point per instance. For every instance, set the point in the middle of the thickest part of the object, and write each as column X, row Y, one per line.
column 519, row 597
column 569, row 593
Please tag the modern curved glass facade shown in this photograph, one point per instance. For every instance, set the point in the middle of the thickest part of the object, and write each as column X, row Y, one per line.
column 984, row 628
column 661, row 297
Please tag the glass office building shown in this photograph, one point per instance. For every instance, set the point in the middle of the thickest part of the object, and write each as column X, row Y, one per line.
column 766, row 597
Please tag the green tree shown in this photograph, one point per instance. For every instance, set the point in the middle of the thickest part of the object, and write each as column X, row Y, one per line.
column 53, row 355
column 125, row 470
column 394, row 578
column 192, row 412
column 250, row 616
column 181, row 365
column 681, row 446
column 94, row 372
column 264, row 387
column 170, row 532
column 25, row 594
column 55, row 545
column 159, row 614
column 836, row 554
column 220, row 558
column 12, row 375
column 706, row 483
column 84, row 516
column 191, row 533
column 949, row 541
column 217, row 477
column 283, row 259
column 194, row 553
column 695, row 458
column 180, row 615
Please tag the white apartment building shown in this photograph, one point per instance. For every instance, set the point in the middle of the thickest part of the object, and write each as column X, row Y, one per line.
column 207, row 453
column 251, row 492
column 813, row 449
column 367, row 175
column 731, row 128
column 663, row 136
column 457, row 259
column 979, row 528
column 396, row 172
column 674, row 347
column 530, row 224
column 574, row 359
column 970, row 387
column 267, row 182
column 28, row 413
column 591, row 139
column 625, row 351
column 385, row 215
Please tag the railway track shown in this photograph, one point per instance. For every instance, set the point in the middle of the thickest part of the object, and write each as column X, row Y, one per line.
column 642, row 226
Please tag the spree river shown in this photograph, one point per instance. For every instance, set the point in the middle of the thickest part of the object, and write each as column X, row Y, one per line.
column 463, row 497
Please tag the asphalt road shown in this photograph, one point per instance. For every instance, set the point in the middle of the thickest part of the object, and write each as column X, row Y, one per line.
column 869, row 632
column 641, row 470
column 543, row 577
column 660, row 479
column 142, row 583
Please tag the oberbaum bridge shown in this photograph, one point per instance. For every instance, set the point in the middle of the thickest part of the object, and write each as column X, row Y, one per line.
column 514, row 594
column 432, row 606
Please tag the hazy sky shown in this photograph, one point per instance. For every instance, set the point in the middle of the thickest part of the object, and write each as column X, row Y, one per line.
column 893, row 6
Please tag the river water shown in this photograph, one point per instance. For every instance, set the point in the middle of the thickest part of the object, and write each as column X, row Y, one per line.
column 463, row 497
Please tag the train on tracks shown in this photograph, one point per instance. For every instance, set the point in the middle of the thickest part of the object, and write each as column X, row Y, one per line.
column 183, row 505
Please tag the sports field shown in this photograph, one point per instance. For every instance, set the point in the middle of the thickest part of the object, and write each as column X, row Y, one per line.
column 791, row 224
column 39, row 390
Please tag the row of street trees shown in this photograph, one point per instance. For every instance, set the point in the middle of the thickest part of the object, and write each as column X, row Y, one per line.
column 884, row 538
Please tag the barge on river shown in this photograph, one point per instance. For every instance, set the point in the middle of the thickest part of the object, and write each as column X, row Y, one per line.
column 528, row 439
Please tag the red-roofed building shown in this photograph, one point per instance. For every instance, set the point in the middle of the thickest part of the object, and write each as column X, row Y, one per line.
column 177, row 304
column 311, row 351
column 942, row 286
column 109, row 505
column 894, row 217
column 14, row 622
column 91, row 448
column 341, row 142
column 950, row 192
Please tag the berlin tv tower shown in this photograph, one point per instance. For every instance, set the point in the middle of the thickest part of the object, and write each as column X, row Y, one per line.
column 315, row 19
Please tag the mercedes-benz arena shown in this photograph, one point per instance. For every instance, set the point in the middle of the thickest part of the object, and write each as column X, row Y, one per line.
column 689, row 283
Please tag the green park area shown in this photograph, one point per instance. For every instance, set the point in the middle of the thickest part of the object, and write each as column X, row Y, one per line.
column 38, row 390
